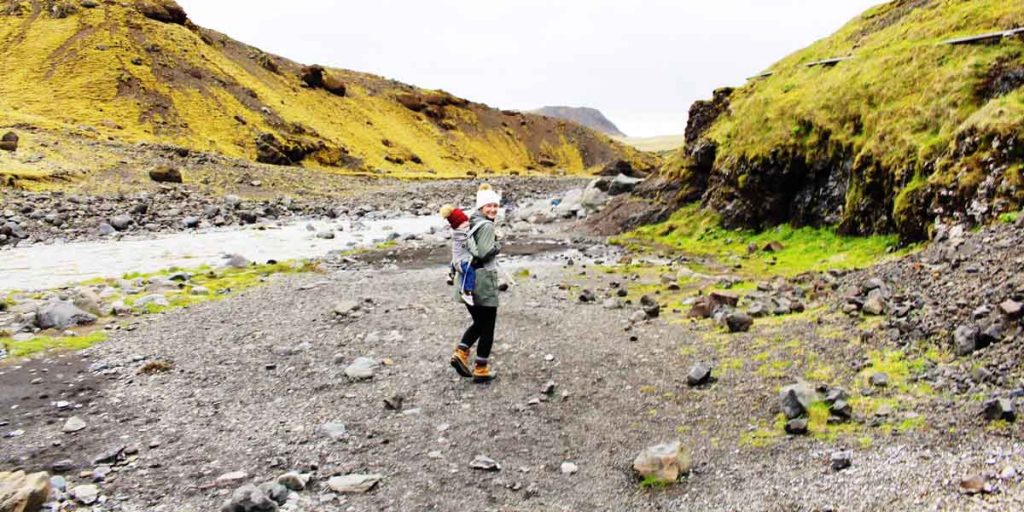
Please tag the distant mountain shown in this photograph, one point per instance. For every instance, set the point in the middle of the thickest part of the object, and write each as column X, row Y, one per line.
column 585, row 116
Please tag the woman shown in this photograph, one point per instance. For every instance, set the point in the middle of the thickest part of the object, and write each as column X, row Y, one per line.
column 484, row 246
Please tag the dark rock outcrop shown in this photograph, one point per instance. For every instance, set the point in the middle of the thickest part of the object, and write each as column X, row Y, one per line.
column 164, row 11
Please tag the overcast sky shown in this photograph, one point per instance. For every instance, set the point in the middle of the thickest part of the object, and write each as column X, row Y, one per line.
column 641, row 62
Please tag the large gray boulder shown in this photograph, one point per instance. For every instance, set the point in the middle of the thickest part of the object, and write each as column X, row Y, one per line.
column 796, row 399
column 62, row 315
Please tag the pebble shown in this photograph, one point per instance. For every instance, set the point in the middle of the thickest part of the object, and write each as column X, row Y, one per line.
column 568, row 468
column 85, row 494
column 484, row 463
column 355, row 483
column 73, row 424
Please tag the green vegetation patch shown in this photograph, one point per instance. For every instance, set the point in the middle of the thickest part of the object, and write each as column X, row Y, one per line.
column 696, row 231
column 17, row 349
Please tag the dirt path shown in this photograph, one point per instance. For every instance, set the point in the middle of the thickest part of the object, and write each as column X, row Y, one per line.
column 254, row 379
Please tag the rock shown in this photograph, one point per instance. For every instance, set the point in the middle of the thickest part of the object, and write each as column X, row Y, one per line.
column 346, row 308
column 663, row 462
column 650, row 306
column 236, row 261
column 587, row 296
column 9, row 142
column 23, row 493
column 394, row 402
column 699, row 375
column 57, row 482
column 85, row 494
column 796, row 426
column 549, row 388
column 796, row 399
column 121, row 222
column 362, row 368
column 612, row 303
column 773, row 246
column 965, row 339
column 190, row 222
column 63, row 466
column 357, row 483
column 999, row 409
column 200, row 290
column 110, row 456
column 637, row 317
column 73, row 424
column 164, row 11
column 275, row 491
column 841, row 460
column 155, row 299
column 105, row 229
column 568, row 468
column 874, row 305
column 1011, row 308
column 484, row 463
column 62, row 315
column 738, row 321
column 841, row 409
column 325, row 235
column 975, row 484
column 231, row 479
column 335, row 430
column 99, row 473
column 294, row 480
column 249, row 498
column 879, row 379
column 165, row 174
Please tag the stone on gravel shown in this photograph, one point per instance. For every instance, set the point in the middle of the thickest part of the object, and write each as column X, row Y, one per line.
column 796, row 399
column 346, row 308
column 325, row 235
column 738, row 321
column 797, row 426
column 165, row 174
column 275, row 491
column 352, row 484
column 879, row 379
column 294, row 480
column 841, row 460
column 335, row 430
column 1011, row 308
column 549, row 388
column 63, row 466
column 62, row 315
column 363, row 368
column 874, row 305
column 975, row 484
column 23, row 493
column 612, row 303
column 231, row 479
column 999, row 409
column 663, row 462
column 121, row 222
column 587, row 296
column 699, row 375
column 236, row 261
column 484, row 463
column 190, row 222
column 155, row 299
column 85, row 494
column 965, row 339
column 249, row 498
column 568, row 468
column 73, row 424
column 650, row 306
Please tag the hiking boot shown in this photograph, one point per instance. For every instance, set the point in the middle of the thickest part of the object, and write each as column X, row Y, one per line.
column 460, row 361
column 467, row 298
column 482, row 373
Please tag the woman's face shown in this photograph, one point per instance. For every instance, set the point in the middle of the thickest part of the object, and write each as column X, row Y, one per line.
column 489, row 210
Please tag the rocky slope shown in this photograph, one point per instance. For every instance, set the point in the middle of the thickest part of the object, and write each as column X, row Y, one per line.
column 882, row 127
column 129, row 72
column 585, row 116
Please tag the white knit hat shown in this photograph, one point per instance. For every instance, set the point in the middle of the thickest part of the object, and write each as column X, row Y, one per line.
column 486, row 195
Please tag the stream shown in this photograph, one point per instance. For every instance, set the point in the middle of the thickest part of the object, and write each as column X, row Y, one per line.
column 61, row 264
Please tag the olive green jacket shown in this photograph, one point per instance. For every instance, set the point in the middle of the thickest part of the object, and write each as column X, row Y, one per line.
column 483, row 244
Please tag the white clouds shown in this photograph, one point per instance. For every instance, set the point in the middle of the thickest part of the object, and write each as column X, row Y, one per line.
column 642, row 62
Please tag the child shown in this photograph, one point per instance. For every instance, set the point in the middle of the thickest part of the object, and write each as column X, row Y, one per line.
column 461, row 257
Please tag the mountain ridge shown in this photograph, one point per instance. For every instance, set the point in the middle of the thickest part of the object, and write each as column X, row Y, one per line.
column 586, row 116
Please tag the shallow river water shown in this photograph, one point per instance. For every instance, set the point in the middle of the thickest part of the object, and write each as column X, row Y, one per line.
column 51, row 266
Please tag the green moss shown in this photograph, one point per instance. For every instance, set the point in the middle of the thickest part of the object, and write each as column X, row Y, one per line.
column 696, row 231
column 653, row 482
column 46, row 343
column 1010, row 217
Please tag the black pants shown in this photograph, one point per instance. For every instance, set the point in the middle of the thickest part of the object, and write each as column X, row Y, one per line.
column 482, row 329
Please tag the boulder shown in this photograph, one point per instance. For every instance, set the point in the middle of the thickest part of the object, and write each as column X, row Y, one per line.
column 650, row 306
column 1011, row 308
column 999, row 409
column 249, row 498
column 965, row 339
column 62, row 315
column 874, row 305
column 797, row 426
column 663, row 462
column 351, row 484
column 293, row 480
column 622, row 184
column 738, row 321
column 165, row 174
column 23, row 493
column 9, row 142
column 164, row 11
column 796, row 399
column 841, row 460
column 699, row 375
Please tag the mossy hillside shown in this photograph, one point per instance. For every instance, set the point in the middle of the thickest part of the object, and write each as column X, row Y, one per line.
column 899, row 114
column 698, row 231
column 123, row 76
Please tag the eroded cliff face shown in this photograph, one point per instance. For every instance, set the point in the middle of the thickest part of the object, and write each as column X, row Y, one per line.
column 880, row 128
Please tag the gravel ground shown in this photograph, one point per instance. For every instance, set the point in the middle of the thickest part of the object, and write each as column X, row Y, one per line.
column 254, row 378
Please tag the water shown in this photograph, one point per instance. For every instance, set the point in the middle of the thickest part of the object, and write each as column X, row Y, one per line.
column 51, row 266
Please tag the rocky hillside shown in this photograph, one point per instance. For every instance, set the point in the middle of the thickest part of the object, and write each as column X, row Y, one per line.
column 885, row 126
column 589, row 117
column 140, row 72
